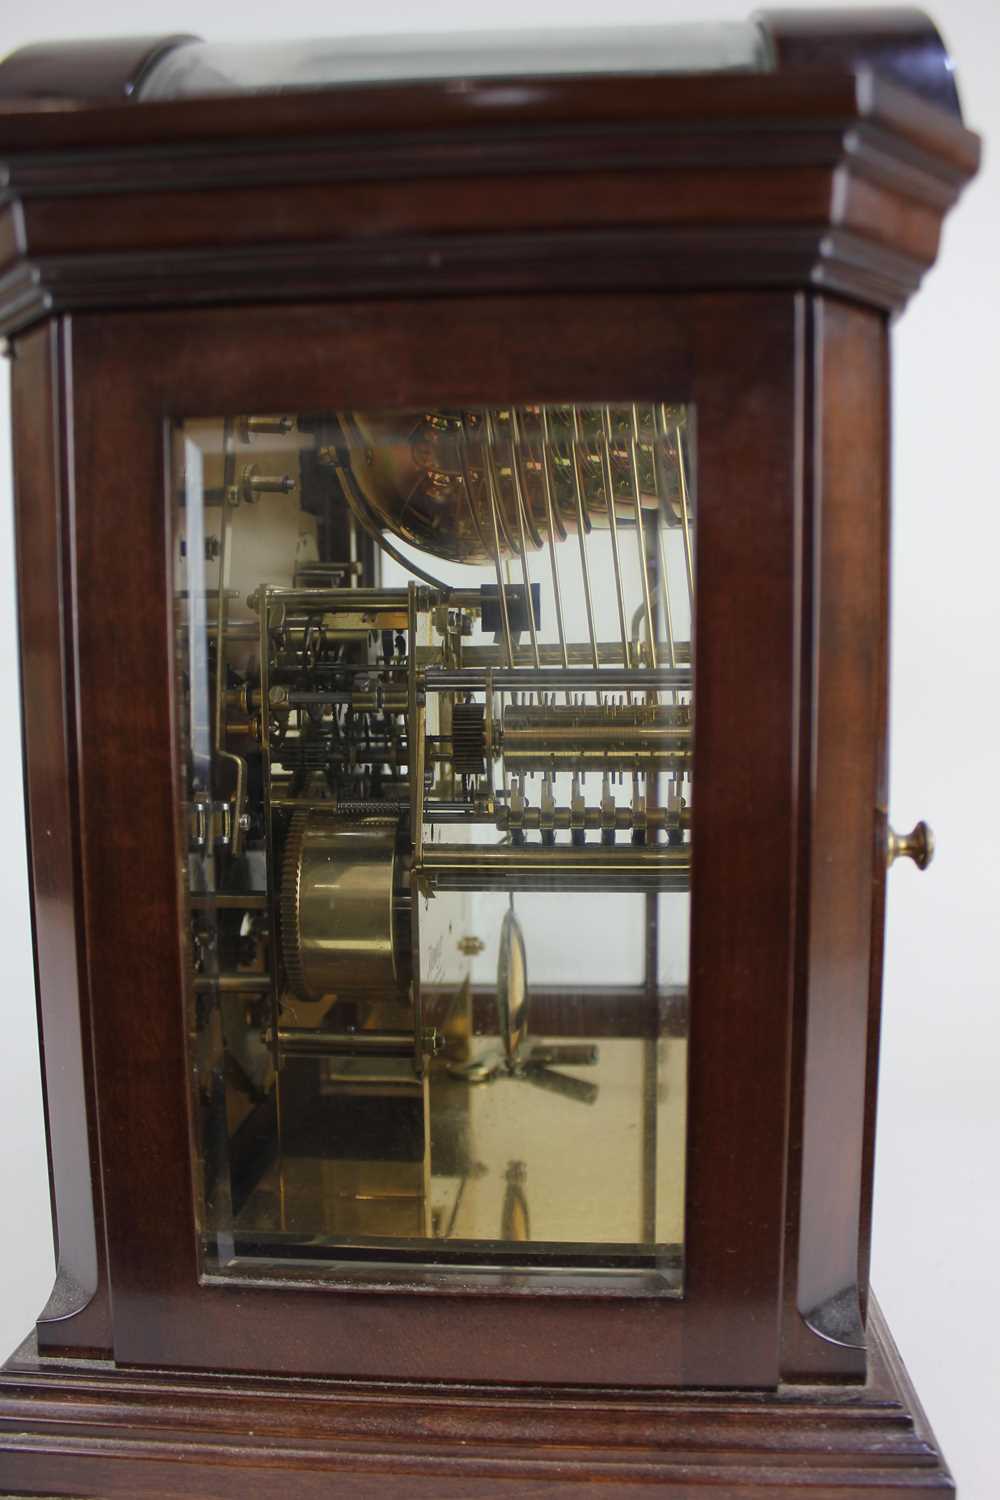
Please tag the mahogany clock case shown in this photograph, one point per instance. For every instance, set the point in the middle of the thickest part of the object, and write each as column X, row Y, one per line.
column 738, row 241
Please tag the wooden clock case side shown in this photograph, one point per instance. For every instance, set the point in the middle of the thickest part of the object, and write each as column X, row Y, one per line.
column 806, row 203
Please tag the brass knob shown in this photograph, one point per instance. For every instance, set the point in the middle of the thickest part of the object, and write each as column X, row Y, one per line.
column 917, row 845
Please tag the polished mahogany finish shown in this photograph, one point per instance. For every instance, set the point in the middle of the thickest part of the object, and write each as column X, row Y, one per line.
column 834, row 180
column 900, row 43
column 78, row 1314
column 741, row 359
column 735, row 241
column 161, row 1435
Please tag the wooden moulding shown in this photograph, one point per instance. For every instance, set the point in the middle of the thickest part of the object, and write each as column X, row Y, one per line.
column 69, row 1428
column 842, row 835
column 78, row 1312
column 836, row 180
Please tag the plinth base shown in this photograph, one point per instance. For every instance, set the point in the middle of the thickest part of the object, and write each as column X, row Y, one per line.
column 74, row 1428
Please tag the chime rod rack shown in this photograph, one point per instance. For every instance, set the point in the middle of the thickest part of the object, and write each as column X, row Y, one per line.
column 500, row 867
column 578, row 654
column 557, row 679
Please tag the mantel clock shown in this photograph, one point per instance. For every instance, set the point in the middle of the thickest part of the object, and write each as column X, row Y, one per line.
column 452, row 525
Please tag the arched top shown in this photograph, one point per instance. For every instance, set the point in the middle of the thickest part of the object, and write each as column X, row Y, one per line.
column 900, row 44
column 101, row 70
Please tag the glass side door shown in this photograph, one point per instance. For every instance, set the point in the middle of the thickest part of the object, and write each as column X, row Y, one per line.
column 434, row 688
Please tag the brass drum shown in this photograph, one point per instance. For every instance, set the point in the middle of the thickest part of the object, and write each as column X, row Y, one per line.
column 338, row 919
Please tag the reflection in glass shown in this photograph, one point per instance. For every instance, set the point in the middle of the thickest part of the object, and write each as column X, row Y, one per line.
column 191, row 68
column 436, row 717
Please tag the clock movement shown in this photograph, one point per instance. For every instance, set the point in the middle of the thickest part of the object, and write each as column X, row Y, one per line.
column 452, row 521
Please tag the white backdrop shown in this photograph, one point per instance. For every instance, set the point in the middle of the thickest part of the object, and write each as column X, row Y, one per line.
column 937, row 1225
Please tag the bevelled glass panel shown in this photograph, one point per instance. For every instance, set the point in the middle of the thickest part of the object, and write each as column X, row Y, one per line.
column 198, row 68
column 436, row 720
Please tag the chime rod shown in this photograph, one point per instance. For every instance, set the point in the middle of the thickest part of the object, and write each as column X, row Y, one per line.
column 640, row 533
column 668, row 613
column 609, row 497
column 661, row 552
column 515, row 469
column 581, row 528
column 665, row 578
column 491, row 490
column 685, row 526
column 685, row 521
column 553, row 560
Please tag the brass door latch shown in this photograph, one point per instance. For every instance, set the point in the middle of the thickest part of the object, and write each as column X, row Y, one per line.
column 917, row 845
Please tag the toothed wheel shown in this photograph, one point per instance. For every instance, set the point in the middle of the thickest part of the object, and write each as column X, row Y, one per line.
column 468, row 738
column 290, row 904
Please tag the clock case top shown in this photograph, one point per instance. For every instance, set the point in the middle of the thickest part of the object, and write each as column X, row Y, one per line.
column 751, row 234
column 832, row 172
